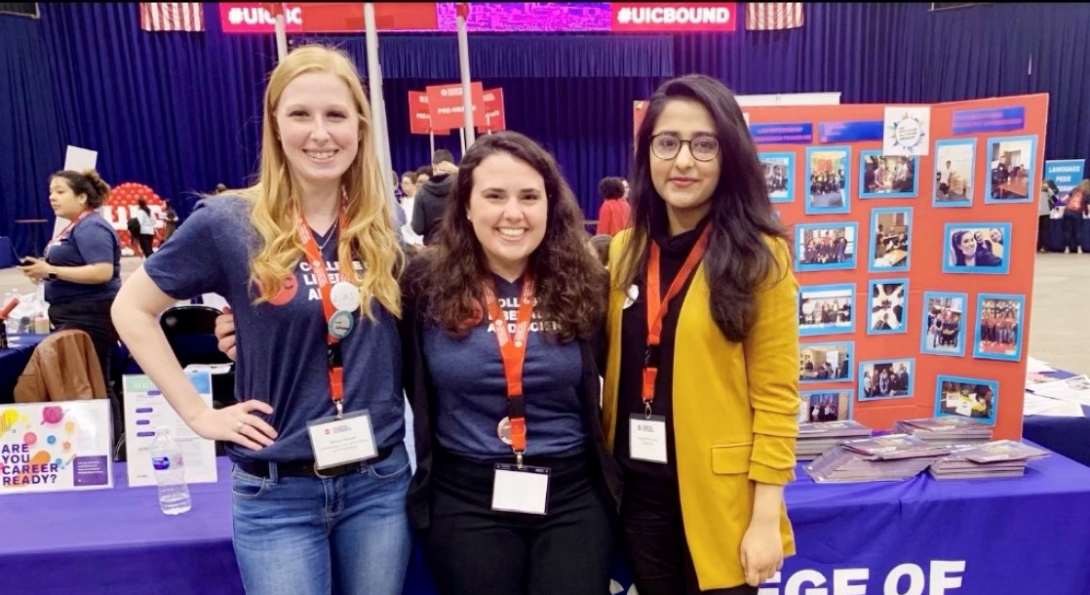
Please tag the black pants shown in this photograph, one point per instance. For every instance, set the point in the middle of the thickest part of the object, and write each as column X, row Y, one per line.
column 94, row 319
column 657, row 549
column 473, row 550
column 145, row 244
column 1042, row 232
column 1072, row 226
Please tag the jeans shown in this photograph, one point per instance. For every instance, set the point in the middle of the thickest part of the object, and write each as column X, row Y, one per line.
column 308, row 536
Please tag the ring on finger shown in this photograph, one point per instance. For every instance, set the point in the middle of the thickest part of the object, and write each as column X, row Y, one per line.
column 239, row 426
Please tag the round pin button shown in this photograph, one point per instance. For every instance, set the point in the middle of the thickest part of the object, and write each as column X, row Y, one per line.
column 345, row 296
column 631, row 296
column 503, row 430
column 341, row 324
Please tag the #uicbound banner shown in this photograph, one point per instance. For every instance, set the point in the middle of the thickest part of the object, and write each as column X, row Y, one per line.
column 55, row 447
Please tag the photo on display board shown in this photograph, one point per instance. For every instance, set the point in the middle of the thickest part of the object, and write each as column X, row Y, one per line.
column 891, row 234
column 779, row 176
column 886, row 379
column 999, row 326
column 887, row 176
column 888, row 307
column 944, row 323
column 954, row 167
column 824, row 405
column 826, row 362
column 826, row 309
column 828, row 170
column 825, row 246
column 1010, row 169
column 976, row 248
column 966, row 397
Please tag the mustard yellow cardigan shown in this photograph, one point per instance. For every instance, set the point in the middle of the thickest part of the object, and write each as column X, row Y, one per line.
column 735, row 408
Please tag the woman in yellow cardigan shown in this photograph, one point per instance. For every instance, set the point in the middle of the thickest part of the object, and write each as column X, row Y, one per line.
column 701, row 383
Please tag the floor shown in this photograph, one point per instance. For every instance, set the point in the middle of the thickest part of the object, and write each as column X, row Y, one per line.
column 1059, row 324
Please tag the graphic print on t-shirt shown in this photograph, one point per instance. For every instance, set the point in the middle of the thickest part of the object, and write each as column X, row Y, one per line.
column 510, row 308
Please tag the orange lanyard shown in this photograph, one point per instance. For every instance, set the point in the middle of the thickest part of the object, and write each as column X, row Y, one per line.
column 657, row 308
column 317, row 266
column 514, row 356
column 64, row 232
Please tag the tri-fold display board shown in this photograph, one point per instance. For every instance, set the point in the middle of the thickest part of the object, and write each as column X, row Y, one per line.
column 915, row 262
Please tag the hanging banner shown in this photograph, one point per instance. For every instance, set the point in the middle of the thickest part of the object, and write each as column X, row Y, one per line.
column 327, row 17
column 1066, row 173
column 494, row 117
column 673, row 16
column 55, row 447
column 445, row 105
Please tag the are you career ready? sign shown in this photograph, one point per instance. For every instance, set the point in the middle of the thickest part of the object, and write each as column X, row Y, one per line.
column 55, row 447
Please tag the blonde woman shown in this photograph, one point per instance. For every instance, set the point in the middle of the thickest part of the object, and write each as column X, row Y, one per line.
column 307, row 259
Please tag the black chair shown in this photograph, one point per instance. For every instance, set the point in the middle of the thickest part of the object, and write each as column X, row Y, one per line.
column 190, row 330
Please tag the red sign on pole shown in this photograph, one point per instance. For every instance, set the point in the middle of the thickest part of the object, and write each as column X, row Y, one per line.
column 494, row 117
column 639, row 109
column 419, row 115
column 445, row 105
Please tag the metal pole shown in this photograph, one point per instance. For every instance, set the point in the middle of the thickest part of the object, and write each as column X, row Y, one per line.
column 467, row 97
column 378, row 121
column 431, row 143
column 281, row 33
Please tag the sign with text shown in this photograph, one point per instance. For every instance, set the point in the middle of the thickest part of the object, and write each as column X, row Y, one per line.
column 782, row 133
column 327, row 17
column 1066, row 173
column 494, row 117
column 55, row 447
column 420, row 115
column 673, row 16
column 842, row 132
column 146, row 409
column 989, row 120
column 445, row 105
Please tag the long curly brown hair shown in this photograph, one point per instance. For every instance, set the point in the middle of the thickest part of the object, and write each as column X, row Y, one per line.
column 571, row 286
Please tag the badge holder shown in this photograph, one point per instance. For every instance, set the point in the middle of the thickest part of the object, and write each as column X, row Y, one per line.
column 341, row 440
column 521, row 488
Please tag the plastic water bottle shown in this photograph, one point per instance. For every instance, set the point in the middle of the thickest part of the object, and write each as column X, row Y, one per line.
column 166, row 457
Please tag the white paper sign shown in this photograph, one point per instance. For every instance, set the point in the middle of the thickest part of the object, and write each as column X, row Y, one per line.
column 55, row 447
column 147, row 409
column 75, row 159
column 907, row 131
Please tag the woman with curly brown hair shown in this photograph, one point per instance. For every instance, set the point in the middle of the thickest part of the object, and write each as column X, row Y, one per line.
column 514, row 487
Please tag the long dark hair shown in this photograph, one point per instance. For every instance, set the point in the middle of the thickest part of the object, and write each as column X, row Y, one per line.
column 739, row 259
column 143, row 204
column 571, row 285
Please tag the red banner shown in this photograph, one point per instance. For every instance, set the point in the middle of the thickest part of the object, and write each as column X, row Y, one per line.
column 420, row 115
column 673, row 16
column 445, row 105
column 326, row 17
column 494, row 116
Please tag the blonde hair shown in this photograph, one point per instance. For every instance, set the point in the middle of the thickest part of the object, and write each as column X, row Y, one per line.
column 368, row 231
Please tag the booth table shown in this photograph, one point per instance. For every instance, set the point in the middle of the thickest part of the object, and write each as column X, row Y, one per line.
column 7, row 253
column 998, row 537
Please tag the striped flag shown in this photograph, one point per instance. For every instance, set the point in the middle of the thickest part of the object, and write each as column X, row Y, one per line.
column 765, row 16
column 171, row 16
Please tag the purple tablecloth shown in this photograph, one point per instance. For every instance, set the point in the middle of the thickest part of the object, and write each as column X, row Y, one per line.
column 1012, row 536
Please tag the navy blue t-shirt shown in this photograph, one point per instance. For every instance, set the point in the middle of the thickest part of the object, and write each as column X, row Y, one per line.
column 471, row 388
column 281, row 357
column 90, row 241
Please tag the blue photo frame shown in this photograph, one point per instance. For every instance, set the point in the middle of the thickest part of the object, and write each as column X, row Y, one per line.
column 1004, row 147
column 843, row 414
column 801, row 264
column 901, row 258
column 997, row 337
column 842, row 157
column 838, row 293
column 990, row 264
column 873, row 368
column 903, row 192
column 902, row 326
column 786, row 192
column 970, row 392
column 961, row 153
column 848, row 346
column 930, row 343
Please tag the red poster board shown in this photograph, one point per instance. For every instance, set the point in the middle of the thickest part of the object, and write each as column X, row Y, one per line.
column 1000, row 208
column 495, row 117
column 419, row 114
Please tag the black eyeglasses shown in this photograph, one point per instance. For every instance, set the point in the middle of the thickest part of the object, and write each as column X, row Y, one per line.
column 667, row 146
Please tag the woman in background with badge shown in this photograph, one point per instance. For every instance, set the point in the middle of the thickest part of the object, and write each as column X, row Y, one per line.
column 700, row 394
column 514, row 489
column 308, row 260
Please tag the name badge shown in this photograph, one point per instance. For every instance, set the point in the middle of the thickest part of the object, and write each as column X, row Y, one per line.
column 647, row 438
column 342, row 441
column 523, row 490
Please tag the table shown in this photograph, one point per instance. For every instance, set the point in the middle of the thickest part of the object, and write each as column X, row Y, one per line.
column 8, row 257
column 14, row 360
column 1006, row 536
column 1069, row 436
